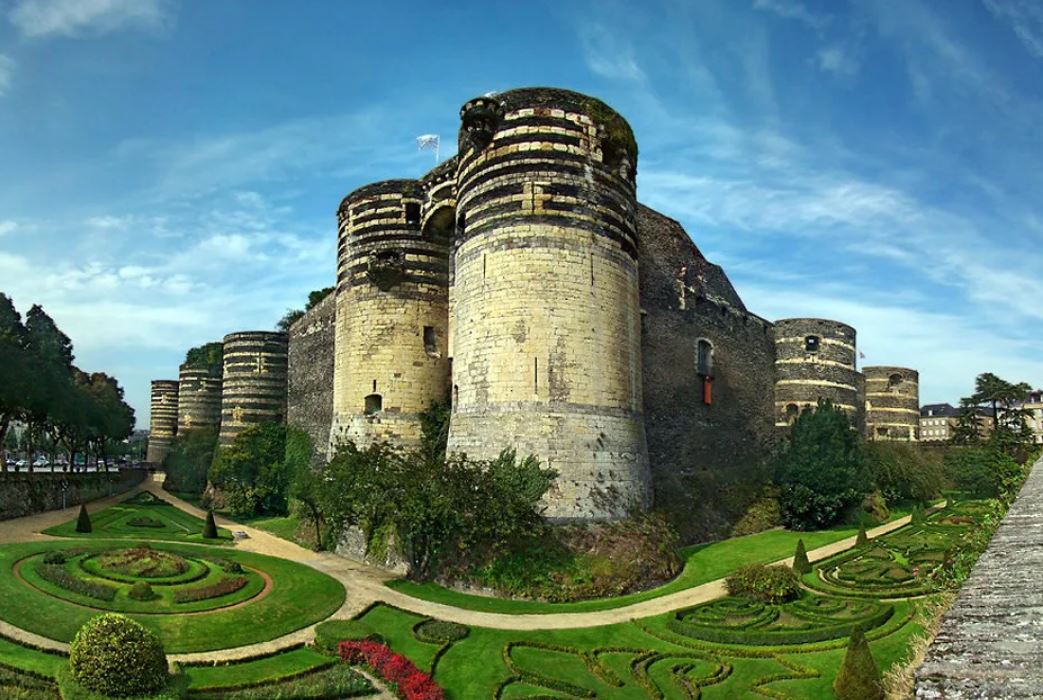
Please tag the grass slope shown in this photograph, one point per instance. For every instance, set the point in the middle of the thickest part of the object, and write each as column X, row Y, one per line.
column 114, row 522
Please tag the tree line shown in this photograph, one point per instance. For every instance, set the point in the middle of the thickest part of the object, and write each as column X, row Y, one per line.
column 57, row 402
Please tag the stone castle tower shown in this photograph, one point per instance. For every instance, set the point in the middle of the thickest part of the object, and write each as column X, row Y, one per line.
column 253, row 387
column 163, row 423
column 892, row 403
column 199, row 397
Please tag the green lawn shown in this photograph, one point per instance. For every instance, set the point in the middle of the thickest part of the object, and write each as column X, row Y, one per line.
column 299, row 597
column 269, row 669
column 280, row 526
column 115, row 522
column 703, row 563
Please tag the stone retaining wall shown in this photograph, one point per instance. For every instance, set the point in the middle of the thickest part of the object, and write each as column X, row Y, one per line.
column 24, row 494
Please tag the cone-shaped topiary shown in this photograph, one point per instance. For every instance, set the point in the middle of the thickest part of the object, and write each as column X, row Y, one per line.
column 210, row 529
column 115, row 656
column 83, row 522
column 801, row 564
column 863, row 536
column 858, row 677
column 917, row 515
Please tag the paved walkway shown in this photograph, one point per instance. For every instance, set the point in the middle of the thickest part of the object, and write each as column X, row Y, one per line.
column 990, row 644
column 365, row 584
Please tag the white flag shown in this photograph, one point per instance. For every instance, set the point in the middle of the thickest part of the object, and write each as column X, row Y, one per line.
column 427, row 142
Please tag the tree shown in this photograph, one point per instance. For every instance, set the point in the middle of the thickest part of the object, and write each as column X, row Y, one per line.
column 15, row 372
column 293, row 315
column 252, row 471
column 208, row 355
column 801, row 563
column 83, row 520
column 306, row 484
column 187, row 463
column 1002, row 396
column 858, row 677
column 50, row 359
column 863, row 537
column 820, row 471
column 210, row 528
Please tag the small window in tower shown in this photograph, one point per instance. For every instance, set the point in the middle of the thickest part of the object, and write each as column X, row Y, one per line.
column 811, row 343
column 456, row 396
column 374, row 404
column 893, row 381
column 792, row 411
column 461, row 222
column 430, row 340
column 412, row 213
column 704, row 358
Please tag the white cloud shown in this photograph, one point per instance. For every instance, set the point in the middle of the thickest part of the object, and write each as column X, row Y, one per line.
column 790, row 9
column 838, row 60
column 6, row 74
column 607, row 56
column 1026, row 19
column 39, row 18
column 7, row 226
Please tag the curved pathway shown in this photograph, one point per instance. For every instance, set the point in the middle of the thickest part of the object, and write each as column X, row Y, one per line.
column 365, row 584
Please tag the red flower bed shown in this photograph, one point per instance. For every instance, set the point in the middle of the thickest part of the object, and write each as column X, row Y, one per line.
column 412, row 683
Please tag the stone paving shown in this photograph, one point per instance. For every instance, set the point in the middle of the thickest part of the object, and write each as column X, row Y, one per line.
column 365, row 584
column 990, row 644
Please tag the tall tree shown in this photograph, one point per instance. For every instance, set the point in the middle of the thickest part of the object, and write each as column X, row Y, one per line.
column 15, row 378
column 50, row 356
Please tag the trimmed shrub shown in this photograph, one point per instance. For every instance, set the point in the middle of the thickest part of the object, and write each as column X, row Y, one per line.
column 225, row 586
column 145, row 522
column 142, row 591
column 412, row 683
column 863, row 537
column 56, row 557
column 763, row 514
column 114, row 655
column 770, row 584
column 329, row 634
column 210, row 529
column 858, row 677
column 801, row 563
column 83, row 521
column 904, row 472
column 56, row 574
column 69, row 689
column 440, row 631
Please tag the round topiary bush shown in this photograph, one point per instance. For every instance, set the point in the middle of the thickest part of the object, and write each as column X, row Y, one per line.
column 114, row 655
column 770, row 584
column 440, row 631
column 142, row 591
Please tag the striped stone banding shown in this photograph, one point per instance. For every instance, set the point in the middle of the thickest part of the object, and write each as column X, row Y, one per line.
column 254, row 381
column 199, row 397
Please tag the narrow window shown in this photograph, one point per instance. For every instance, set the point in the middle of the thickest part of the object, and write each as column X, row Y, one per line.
column 430, row 340
column 374, row 403
column 484, row 267
column 811, row 343
column 893, row 381
column 412, row 213
column 536, row 374
column 704, row 358
column 456, row 396
column 792, row 411
column 461, row 222
column 374, row 386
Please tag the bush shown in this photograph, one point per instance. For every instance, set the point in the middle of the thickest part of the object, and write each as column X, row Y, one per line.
column 820, row 471
column 252, row 473
column 189, row 459
column 210, row 528
column 56, row 557
column 441, row 631
column 763, row 514
column 225, row 586
column 331, row 633
column 114, row 655
column 863, row 536
column 801, row 563
column 176, row 689
column 142, row 591
column 335, row 682
column 83, row 521
column 858, row 677
column 412, row 683
column 770, row 584
column 145, row 522
column 56, row 574
column 903, row 472
column 983, row 472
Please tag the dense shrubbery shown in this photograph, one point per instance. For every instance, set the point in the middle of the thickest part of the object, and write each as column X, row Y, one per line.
column 142, row 591
column 55, row 557
column 440, row 631
column 251, row 473
column 114, row 655
column 189, row 460
column 145, row 522
column 338, row 681
column 984, row 472
column 763, row 514
column 820, row 471
column 225, row 586
column 411, row 682
column 904, row 472
column 770, row 584
column 56, row 574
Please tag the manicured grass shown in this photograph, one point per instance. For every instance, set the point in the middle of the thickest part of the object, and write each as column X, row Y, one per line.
column 27, row 659
column 266, row 670
column 300, row 596
column 114, row 522
column 284, row 527
column 703, row 563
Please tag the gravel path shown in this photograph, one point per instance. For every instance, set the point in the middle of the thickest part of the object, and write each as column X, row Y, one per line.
column 365, row 584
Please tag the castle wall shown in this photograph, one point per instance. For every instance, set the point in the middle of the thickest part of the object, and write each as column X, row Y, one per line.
column 892, row 403
column 199, row 397
column 707, row 458
column 254, row 382
column 808, row 370
column 163, row 423
column 546, row 343
column 392, row 315
column 309, row 379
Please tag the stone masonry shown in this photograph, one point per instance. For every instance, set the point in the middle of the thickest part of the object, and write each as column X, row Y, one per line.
column 989, row 642
column 309, row 381
column 892, row 403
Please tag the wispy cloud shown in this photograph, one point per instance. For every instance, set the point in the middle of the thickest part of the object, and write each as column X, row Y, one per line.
column 608, row 55
column 1025, row 18
column 791, row 9
column 838, row 60
column 7, row 226
column 41, row 18
column 6, row 74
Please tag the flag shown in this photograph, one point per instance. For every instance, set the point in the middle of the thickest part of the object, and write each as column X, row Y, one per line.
column 861, row 355
column 427, row 142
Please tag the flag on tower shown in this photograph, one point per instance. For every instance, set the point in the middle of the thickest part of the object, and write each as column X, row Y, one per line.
column 428, row 142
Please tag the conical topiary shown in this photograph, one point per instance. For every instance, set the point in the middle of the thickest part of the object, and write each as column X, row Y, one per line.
column 863, row 536
column 210, row 529
column 801, row 564
column 858, row 677
column 83, row 522
column 917, row 516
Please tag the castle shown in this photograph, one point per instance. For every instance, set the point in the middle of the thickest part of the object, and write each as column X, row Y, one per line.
column 523, row 280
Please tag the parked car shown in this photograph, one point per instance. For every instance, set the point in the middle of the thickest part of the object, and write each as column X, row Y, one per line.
column 21, row 464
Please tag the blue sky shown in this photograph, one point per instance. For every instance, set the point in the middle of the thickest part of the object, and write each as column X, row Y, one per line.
column 170, row 169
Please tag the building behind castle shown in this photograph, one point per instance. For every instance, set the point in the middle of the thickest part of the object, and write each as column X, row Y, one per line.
column 523, row 281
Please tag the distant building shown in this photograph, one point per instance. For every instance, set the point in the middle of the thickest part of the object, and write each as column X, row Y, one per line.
column 937, row 421
column 1034, row 414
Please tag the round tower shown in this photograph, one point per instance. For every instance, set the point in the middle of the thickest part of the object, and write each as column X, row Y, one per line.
column 815, row 359
column 391, row 359
column 892, row 403
column 163, row 423
column 199, row 397
column 253, row 388
column 547, row 330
